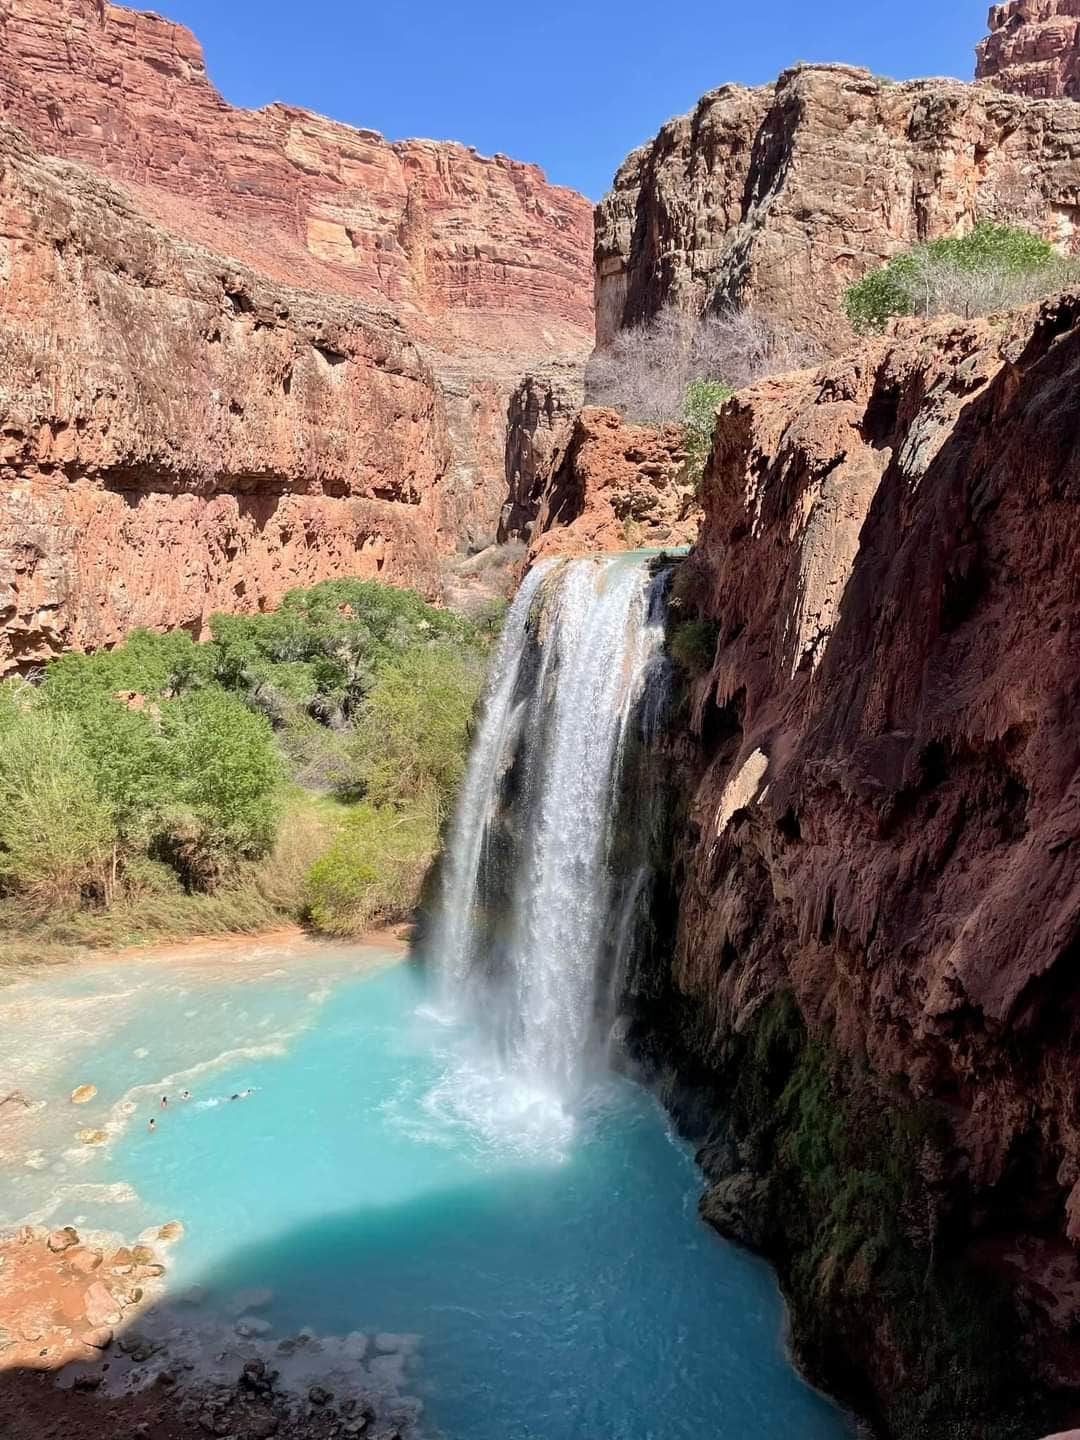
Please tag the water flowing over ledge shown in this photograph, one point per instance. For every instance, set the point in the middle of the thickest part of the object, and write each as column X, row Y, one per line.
column 540, row 887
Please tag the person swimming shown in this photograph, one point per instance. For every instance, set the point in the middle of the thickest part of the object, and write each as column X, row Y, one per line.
column 185, row 1094
column 242, row 1095
column 152, row 1126
column 164, row 1102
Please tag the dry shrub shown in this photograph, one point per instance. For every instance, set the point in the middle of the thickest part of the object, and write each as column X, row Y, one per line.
column 647, row 370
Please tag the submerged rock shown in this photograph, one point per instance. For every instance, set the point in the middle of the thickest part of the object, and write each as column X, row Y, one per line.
column 83, row 1094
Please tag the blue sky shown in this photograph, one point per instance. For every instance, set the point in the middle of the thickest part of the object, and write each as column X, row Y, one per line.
column 571, row 86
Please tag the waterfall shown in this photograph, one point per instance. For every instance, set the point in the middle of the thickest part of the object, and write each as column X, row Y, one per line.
column 542, row 882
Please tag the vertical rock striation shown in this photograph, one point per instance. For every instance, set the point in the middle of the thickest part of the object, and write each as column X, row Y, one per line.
column 873, row 980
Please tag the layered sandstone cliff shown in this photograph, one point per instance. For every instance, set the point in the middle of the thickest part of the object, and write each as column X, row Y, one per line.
column 780, row 197
column 881, row 836
column 274, row 348
column 1033, row 48
column 179, row 435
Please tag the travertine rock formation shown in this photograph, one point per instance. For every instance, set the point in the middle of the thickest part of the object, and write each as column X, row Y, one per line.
column 885, row 816
column 277, row 348
column 780, row 197
column 1033, row 48
column 613, row 486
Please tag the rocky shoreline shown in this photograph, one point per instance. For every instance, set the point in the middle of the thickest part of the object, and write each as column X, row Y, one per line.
column 91, row 1348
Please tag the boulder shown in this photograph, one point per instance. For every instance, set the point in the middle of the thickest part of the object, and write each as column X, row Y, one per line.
column 739, row 1208
column 98, row 1339
column 83, row 1259
column 64, row 1239
column 101, row 1307
column 83, row 1094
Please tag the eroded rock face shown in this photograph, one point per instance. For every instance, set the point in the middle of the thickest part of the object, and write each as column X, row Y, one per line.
column 885, row 816
column 1033, row 48
column 541, row 410
column 180, row 435
column 613, row 486
column 780, row 197
column 277, row 349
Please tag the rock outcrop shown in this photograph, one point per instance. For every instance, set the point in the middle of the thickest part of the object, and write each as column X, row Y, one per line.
column 780, row 197
column 1033, row 48
column 541, row 409
column 613, row 486
column 882, row 836
column 274, row 348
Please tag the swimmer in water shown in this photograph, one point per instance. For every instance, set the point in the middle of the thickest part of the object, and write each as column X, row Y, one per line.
column 164, row 1102
column 152, row 1126
column 241, row 1095
column 185, row 1094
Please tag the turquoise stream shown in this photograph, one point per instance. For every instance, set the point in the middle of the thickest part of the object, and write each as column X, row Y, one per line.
column 558, row 1275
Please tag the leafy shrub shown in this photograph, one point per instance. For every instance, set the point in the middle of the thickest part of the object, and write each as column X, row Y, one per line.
column 993, row 267
column 700, row 404
column 412, row 733
column 146, row 664
column 56, row 835
column 374, row 870
column 226, row 783
column 129, row 763
column 693, row 646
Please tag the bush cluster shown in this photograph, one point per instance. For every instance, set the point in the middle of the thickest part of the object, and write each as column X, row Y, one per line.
column 993, row 267
column 163, row 767
column 678, row 367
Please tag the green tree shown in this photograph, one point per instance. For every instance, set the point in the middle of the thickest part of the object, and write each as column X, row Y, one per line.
column 225, row 780
column 412, row 733
column 129, row 760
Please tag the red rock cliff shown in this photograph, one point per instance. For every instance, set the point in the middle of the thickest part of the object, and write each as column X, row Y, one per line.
column 405, row 289
column 1033, row 48
column 886, row 818
column 780, row 197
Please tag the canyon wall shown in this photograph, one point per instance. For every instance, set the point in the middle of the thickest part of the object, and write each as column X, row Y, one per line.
column 1033, row 48
column 873, row 982
column 780, row 197
column 273, row 348
column 178, row 434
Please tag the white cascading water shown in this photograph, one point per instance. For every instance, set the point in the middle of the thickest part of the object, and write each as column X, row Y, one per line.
column 533, row 919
